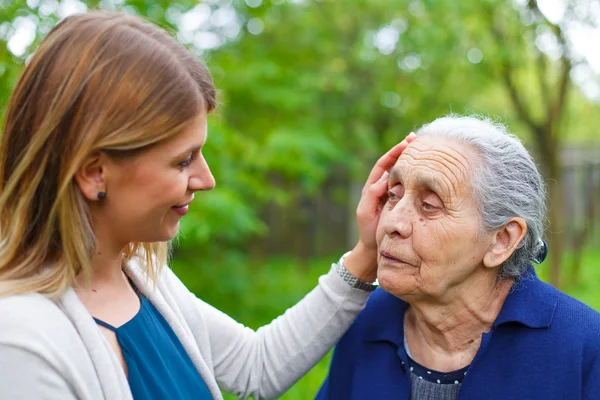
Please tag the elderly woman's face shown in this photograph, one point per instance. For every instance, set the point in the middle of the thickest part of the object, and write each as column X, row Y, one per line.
column 429, row 232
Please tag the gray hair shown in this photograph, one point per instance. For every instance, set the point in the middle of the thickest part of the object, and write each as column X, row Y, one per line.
column 506, row 182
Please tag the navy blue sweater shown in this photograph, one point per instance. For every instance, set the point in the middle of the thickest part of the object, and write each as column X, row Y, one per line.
column 543, row 345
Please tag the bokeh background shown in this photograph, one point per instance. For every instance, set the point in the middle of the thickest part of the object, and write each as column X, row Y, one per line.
column 312, row 92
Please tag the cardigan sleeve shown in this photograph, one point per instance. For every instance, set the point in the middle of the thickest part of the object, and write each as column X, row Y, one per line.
column 27, row 375
column 265, row 363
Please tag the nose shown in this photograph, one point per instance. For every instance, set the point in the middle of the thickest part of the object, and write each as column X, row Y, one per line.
column 398, row 222
column 202, row 178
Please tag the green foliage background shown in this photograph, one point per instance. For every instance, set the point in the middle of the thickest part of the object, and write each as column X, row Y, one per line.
column 310, row 88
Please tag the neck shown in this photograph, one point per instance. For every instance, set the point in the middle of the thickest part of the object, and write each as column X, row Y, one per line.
column 107, row 266
column 107, row 262
column 445, row 334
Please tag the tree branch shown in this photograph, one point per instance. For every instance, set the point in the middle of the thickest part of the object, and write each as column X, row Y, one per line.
column 542, row 66
column 556, row 29
column 556, row 105
column 507, row 70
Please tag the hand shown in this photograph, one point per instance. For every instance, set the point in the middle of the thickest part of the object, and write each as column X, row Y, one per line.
column 362, row 261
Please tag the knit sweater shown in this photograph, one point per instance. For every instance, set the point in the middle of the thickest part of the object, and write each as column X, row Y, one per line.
column 543, row 345
column 54, row 349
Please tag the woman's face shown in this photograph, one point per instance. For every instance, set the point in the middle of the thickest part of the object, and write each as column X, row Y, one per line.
column 147, row 195
column 429, row 235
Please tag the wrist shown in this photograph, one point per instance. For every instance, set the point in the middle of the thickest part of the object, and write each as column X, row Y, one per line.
column 362, row 263
column 352, row 280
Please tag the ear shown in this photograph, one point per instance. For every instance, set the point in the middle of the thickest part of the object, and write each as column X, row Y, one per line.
column 505, row 242
column 91, row 176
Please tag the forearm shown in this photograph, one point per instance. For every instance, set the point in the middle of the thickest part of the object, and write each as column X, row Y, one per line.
column 264, row 364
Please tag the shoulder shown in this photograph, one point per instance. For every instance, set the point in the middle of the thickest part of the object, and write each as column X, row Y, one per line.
column 36, row 324
column 570, row 326
column 570, row 314
column 381, row 318
column 28, row 311
column 577, row 319
column 46, row 354
column 574, row 332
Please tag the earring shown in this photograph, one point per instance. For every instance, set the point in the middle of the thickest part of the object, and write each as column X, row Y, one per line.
column 101, row 195
column 542, row 253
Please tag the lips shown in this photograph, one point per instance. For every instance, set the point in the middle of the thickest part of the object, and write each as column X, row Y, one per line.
column 393, row 259
column 182, row 209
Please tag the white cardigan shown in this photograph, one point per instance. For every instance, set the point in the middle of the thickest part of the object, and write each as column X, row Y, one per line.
column 55, row 350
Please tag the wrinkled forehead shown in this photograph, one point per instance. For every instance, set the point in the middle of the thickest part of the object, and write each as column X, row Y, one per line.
column 444, row 165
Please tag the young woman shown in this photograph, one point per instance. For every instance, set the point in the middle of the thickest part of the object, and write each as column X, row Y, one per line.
column 100, row 158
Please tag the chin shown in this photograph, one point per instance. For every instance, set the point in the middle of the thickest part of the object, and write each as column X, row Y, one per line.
column 162, row 235
column 168, row 236
column 384, row 279
column 394, row 283
column 173, row 233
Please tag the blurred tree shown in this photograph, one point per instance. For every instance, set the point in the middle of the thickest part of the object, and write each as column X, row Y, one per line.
column 310, row 85
column 527, row 46
column 363, row 78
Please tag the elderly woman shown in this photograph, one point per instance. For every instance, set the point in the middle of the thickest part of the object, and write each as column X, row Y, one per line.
column 461, row 313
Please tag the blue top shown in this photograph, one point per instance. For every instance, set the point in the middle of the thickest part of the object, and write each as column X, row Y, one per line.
column 543, row 345
column 158, row 366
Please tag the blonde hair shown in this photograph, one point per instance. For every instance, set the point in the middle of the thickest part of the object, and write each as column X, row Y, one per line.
column 99, row 82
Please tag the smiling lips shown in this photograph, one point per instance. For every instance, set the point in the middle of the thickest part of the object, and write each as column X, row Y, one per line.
column 390, row 259
column 182, row 210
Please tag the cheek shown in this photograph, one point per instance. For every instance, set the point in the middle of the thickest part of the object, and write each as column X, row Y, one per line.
column 422, row 230
column 446, row 243
column 163, row 187
column 430, row 240
column 380, row 232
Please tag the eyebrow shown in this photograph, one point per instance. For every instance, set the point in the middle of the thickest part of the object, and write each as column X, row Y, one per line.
column 427, row 182
column 395, row 173
column 185, row 153
column 192, row 149
column 422, row 180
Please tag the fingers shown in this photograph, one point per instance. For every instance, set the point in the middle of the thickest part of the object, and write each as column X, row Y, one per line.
column 372, row 197
column 379, row 190
column 384, row 177
column 399, row 148
column 388, row 160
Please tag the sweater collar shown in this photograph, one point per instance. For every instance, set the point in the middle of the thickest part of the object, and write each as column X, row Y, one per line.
column 530, row 303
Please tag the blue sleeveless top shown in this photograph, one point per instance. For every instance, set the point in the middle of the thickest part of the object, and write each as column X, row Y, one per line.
column 158, row 365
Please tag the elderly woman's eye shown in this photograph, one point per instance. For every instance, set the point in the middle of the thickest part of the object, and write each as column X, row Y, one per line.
column 392, row 196
column 428, row 207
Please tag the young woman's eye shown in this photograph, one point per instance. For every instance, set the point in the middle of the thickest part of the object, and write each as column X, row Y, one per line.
column 186, row 162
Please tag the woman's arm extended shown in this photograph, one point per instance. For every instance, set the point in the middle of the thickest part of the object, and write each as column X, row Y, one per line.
column 265, row 363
